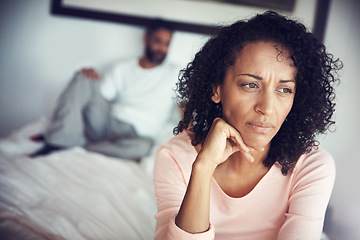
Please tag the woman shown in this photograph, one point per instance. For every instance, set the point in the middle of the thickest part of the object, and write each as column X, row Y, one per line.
column 245, row 163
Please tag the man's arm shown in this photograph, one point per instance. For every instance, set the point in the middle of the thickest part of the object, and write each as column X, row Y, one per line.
column 90, row 73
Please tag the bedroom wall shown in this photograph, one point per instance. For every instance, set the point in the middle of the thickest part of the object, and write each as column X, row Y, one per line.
column 39, row 53
column 342, row 39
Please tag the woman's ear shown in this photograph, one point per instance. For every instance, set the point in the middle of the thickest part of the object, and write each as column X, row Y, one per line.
column 216, row 97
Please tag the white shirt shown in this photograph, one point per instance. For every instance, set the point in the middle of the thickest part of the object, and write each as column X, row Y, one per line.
column 141, row 97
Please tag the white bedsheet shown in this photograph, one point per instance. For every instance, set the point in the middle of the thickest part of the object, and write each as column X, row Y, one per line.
column 75, row 193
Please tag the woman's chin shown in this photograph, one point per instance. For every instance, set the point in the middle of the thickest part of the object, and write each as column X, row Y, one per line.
column 257, row 143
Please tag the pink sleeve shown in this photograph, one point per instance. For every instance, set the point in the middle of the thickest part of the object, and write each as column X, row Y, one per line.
column 312, row 185
column 170, row 187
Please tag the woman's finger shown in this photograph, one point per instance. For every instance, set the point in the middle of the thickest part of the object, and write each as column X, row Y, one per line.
column 235, row 135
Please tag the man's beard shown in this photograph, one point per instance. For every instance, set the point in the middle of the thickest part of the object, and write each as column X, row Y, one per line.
column 156, row 57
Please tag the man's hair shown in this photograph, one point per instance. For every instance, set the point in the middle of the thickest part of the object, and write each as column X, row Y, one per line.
column 158, row 23
column 313, row 105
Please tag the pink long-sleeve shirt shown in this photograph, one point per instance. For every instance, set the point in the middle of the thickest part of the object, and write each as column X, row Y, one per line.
column 279, row 207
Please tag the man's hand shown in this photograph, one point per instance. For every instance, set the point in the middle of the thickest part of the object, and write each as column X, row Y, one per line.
column 90, row 73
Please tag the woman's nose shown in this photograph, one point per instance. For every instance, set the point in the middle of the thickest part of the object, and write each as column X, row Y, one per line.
column 265, row 104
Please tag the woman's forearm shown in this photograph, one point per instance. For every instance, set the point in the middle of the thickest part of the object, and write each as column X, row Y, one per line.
column 222, row 141
column 194, row 213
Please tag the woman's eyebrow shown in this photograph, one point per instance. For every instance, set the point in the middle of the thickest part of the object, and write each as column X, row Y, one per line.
column 260, row 78
column 286, row 81
column 251, row 75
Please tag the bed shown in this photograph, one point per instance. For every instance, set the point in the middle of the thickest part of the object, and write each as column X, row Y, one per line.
column 74, row 194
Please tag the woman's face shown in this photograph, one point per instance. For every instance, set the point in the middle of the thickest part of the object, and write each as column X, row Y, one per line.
column 258, row 92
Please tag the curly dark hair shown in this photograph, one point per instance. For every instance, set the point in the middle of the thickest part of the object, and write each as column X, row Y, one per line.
column 313, row 105
column 158, row 23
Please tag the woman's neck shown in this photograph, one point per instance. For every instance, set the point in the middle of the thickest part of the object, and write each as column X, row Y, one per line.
column 238, row 163
column 237, row 176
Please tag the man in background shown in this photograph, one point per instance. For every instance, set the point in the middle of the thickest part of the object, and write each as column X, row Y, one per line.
column 120, row 113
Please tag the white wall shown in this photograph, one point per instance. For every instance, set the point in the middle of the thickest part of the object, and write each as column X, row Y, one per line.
column 342, row 39
column 39, row 53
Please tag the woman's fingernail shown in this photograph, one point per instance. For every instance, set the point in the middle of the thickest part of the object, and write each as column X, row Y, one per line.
column 250, row 157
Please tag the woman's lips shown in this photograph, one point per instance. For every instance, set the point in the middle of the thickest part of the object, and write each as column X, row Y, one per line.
column 261, row 127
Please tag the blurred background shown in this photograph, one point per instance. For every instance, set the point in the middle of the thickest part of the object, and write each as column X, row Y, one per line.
column 39, row 53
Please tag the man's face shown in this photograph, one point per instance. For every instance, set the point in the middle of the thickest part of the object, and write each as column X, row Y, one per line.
column 157, row 45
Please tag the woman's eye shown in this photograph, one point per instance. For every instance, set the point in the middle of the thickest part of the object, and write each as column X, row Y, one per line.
column 286, row 90
column 252, row 85
column 249, row 85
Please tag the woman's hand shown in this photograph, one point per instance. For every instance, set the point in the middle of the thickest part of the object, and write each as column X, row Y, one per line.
column 222, row 141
